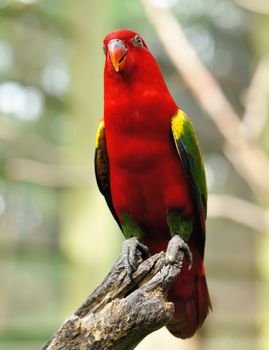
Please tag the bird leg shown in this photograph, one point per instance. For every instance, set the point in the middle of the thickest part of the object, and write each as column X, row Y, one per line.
column 176, row 250
column 133, row 253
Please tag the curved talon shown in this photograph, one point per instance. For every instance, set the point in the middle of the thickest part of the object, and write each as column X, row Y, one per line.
column 176, row 250
column 188, row 253
column 143, row 248
column 133, row 253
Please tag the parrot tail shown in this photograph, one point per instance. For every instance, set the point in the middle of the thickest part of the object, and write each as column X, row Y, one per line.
column 191, row 299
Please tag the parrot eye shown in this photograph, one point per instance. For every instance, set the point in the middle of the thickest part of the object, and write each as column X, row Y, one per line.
column 137, row 41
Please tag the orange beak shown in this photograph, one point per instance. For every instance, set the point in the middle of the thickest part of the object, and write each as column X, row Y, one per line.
column 117, row 53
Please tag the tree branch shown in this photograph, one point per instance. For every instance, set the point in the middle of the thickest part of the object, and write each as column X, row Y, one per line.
column 120, row 312
column 47, row 174
column 254, row 118
column 238, row 210
column 259, row 6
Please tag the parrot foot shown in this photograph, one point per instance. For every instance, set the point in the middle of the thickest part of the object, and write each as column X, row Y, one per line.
column 176, row 250
column 133, row 253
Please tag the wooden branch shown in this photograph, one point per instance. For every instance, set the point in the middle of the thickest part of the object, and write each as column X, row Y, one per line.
column 239, row 210
column 120, row 312
column 47, row 174
column 259, row 6
column 255, row 116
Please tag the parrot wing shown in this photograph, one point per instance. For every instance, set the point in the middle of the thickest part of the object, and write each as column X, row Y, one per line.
column 190, row 155
column 101, row 163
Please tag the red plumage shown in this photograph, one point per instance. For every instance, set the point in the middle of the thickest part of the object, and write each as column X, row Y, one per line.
column 145, row 172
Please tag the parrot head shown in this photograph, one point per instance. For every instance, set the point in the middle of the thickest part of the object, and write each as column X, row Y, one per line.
column 124, row 49
column 131, row 72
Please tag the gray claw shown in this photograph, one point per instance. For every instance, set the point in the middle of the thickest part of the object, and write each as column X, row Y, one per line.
column 176, row 250
column 133, row 253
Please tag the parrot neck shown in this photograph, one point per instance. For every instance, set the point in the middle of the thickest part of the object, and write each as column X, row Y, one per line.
column 139, row 87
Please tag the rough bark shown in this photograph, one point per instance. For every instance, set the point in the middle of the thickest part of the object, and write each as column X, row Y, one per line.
column 121, row 311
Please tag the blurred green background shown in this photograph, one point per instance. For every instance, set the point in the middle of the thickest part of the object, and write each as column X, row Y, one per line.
column 57, row 237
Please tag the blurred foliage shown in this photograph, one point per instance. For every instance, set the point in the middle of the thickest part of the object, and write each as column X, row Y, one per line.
column 57, row 238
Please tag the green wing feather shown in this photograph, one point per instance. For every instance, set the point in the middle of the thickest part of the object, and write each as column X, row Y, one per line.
column 101, row 163
column 189, row 152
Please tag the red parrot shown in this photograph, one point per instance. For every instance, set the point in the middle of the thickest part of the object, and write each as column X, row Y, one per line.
column 150, row 170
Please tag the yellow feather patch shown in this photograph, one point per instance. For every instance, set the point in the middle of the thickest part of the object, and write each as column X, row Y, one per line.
column 177, row 124
column 99, row 130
